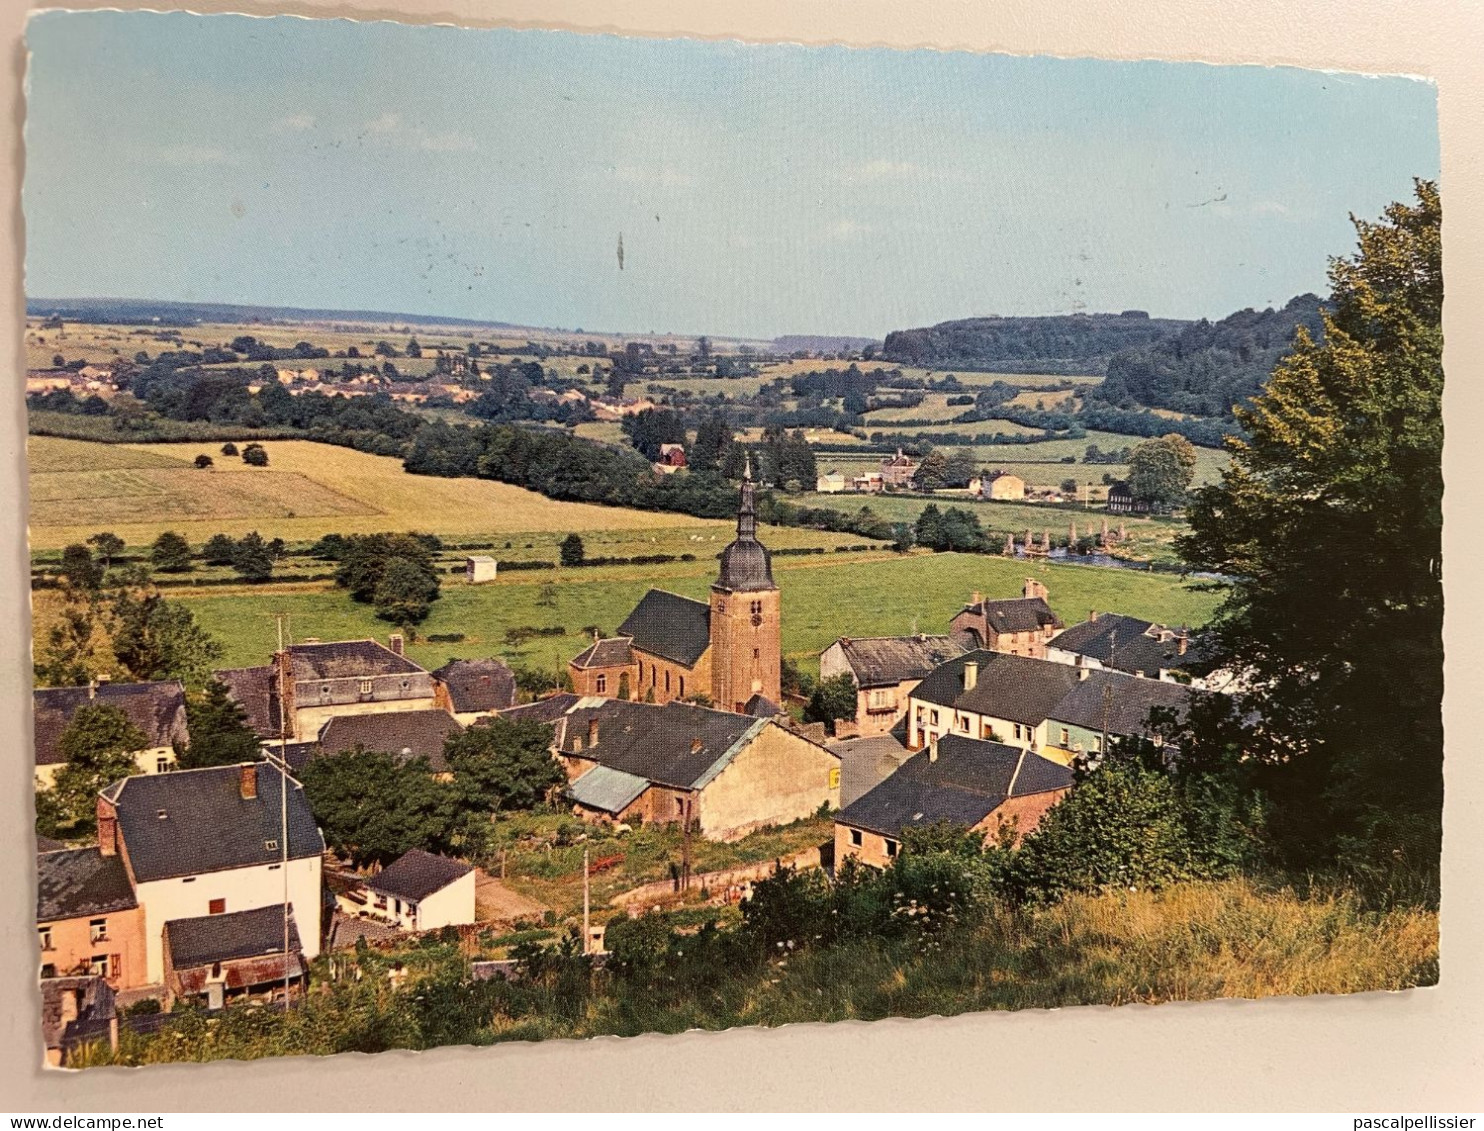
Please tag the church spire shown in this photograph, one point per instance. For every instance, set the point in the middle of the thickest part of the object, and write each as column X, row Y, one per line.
column 746, row 509
column 746, row 565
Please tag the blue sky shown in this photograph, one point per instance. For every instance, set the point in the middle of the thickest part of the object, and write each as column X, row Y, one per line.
column 760, row 190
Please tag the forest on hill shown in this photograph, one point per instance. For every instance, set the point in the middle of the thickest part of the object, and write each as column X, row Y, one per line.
column 1198, row 367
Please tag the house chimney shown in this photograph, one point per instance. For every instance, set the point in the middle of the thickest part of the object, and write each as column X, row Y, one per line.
column 69, row 1004
column 396, row 643
column 1182, row 642
column 1081, row 673
column 971, row 675
column 107, row 828
column 976, row 599
column 695, row 745
column 247, row 781
column 592, row 732
column 1092, row 614
column 932, row 748
column 92, row 689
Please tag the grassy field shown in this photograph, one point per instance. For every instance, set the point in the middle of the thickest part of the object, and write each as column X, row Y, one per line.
column 307, row 490
column 887, row 595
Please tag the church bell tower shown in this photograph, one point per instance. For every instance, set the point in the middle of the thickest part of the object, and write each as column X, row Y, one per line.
column 746, row 648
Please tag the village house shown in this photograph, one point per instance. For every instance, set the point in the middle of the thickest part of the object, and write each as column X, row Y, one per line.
column 218, row 959
column 672, row 459
column 157, row 709
column 1121, row 500
column 1127, row 644
column 1111, row 703
column 980, row 786
column 480, row 569
column 87, row 918
column 871, row 483
column 898, row 471
column 885, row 671
column 322, row 681
column 1020, row 626
column 830, row 483
column 1002, row 485
column 723, row 773
column 208, row 842
column 420, row 891
column 992, row 696
column 672, row 647
column 403, row 734
column 470, row 690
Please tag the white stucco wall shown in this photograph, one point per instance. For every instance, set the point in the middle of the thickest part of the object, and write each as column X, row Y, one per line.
column 244, row 889
column 450, row 906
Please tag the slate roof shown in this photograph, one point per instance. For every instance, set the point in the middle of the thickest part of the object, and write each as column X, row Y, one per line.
column 422, row 732
column 761, row 707
column 677, row 745
column 1016, row 614
column 611, row 652
column 969, row 780
column 48, row 844
column 207, row 826
column 75, row 882
column 157, row 709
column 547, row 710
column 347, row 659
column 669, row 626
column 257, row 690
column 878, row 661
column 1128, row 644
column 1128, row 710
column 95, row 1008
column 225, row 938
column 416, row 874
column 606, row 789
column 477, row 685
column 1017, row 688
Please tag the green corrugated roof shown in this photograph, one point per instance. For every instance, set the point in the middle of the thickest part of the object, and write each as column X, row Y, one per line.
column 607, row 789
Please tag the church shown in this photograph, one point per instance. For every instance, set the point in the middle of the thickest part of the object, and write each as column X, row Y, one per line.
column 726, row 649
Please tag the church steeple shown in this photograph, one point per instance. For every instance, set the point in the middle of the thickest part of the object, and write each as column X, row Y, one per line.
column 746, row 565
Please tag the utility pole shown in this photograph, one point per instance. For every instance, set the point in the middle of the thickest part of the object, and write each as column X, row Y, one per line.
column 1107, row 711
column 685, row 811
column 587, row 932
column 283, row 804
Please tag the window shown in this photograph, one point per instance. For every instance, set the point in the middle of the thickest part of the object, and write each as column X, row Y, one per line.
column 721, row 606
column 162, row 763
column 855, row 837
column 835, row 778
column 189, row 880
column 365, row 687
column 601, row 683
column 891, row 847
column 405, row 685
column 1097, row 743
column 682, row 687
column 756, row 608
column 98, row 965
column 756, row 654
column 97, row 930
column 1066, row 737
column 935, row 718
column 216, row 969
column 963, row 723
column 271, row 845
column 667, row 682
column 44, row 935
column 919, row 714
column 216, row 907
column 1017, row 730
column 49, row 971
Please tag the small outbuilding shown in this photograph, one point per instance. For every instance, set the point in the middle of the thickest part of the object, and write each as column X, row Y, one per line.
column 480, row 569
column 420, row 891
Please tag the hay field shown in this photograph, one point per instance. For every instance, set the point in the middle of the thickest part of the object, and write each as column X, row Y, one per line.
column 307, row 490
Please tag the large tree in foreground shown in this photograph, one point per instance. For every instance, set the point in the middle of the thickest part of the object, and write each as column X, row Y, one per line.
column 1331, row 519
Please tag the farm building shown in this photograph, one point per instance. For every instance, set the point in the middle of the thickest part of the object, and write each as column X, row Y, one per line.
column 964, row 781
column 480, row 569
column 727, row 774
column 898, row 470
column 473, row 689
column 831, row 483
column 1121, row 500
column 1002, row 485
column 672, row 459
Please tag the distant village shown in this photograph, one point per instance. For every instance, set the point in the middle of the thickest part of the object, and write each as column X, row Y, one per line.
column 214, row 885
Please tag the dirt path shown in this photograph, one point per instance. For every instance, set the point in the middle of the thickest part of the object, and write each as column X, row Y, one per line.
column 493, row 901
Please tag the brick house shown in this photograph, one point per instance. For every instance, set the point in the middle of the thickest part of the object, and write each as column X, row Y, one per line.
column 898, row 470
column 885, row 671
column 1020, row 626
column 473, row 689
column 978, row 785
column 88, row 921
column 727, row 774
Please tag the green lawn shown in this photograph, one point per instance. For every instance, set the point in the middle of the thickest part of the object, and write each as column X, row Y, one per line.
column 824, row 597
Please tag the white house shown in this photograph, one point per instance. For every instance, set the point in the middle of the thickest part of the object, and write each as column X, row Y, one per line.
column 210, row 842
column 157, row 709
column 420, row 891
column 831, row 483
column 991, row 696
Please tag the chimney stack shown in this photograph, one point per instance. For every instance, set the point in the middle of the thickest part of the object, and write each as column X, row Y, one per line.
column 397, row 645
column 695, row 745
column 92, row 689
column 69, row 1004
column 977, row 598
column 1182, row 642
column 592, row 732
column 1092, row 614
column 107, row 828
column 932, row 748
column 1082, row 673
column 247, row 781
column 971, row 675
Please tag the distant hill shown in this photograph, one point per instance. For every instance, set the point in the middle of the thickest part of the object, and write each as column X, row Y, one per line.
column 1198, row 367
column 136, row 311
column 1067, row 343
column 819, row 343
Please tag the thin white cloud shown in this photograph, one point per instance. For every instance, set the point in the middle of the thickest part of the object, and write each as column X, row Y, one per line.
column 392, row 130
column 388, row 123
column 189, row 155
column 881, row 169
column 1270, row 208
column 445, row 143
column 296, row 123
